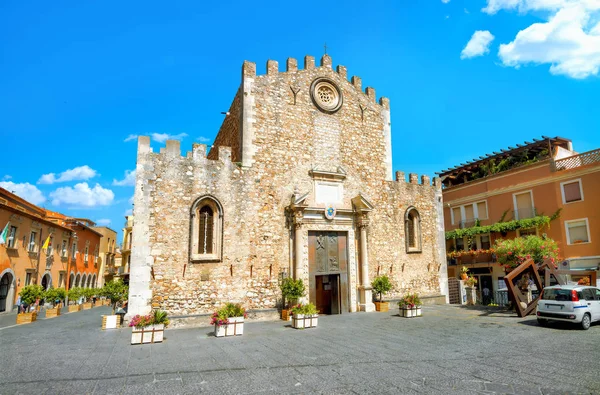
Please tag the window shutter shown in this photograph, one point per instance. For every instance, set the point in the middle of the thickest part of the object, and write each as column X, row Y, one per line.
column 482, row 210
column 572, row 192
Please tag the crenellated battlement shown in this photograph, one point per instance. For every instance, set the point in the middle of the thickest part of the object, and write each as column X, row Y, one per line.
column 249, row 71
column 413, row 178
column 172, row 150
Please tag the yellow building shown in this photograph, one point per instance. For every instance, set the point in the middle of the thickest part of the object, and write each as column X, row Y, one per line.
column 123, row 268
column 106, row 258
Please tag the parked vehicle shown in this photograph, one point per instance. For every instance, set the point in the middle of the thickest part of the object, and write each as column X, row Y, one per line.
column 569, row 303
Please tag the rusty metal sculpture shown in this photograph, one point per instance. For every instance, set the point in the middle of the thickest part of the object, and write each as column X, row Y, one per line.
column 519, row 280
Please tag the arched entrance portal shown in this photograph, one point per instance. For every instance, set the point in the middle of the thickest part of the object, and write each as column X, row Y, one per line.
column 46, row 281
column 6, row 292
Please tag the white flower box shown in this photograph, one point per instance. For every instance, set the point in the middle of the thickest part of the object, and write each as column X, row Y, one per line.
column 301, row 321
column 148, row 334
column 111, row 321
column 410, row 312
column 234, row 328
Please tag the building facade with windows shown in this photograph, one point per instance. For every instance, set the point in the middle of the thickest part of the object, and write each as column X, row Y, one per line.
column 299, row 183
column 125, row 258
column 25, row 261
column 544, row 177
column 106, row 260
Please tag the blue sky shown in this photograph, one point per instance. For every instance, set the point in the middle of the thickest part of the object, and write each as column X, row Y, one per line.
column 78, row 78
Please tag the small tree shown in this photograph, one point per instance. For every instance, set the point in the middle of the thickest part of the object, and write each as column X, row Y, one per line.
column 381, row 285
column 30, row 293
column 74, row 294
column 116, row 291
column 88, row 293
column 292, row 290
column 55, row 295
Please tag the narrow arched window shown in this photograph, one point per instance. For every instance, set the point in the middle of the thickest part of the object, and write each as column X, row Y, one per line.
column 412, row 226
column 206, row 230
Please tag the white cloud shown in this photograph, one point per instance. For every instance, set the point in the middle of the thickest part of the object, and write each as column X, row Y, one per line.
column 82, row 195
column 130, row 137
column 131, row 199
column 129, row 212
column 78, row 173
column 103, row 222
column 445, row 1
column 569, row 41
column 162, row 137
column 128, row 180
column 25, row 191
column 523, row 6
column 7, row 177
column 478, row 45
column 202, row 139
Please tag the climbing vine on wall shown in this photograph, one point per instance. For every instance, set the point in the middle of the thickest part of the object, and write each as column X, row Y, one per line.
column 501, row 227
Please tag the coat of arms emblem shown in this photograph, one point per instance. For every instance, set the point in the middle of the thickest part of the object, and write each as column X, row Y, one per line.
column 329, row 212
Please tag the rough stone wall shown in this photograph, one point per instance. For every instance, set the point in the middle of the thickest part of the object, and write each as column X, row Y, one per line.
column 290, row 138
column 229, row 133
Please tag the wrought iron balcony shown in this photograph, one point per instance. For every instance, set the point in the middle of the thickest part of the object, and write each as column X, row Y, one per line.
column 524, row 213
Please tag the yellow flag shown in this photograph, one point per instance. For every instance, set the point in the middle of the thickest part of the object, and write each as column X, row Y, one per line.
column 45, row 246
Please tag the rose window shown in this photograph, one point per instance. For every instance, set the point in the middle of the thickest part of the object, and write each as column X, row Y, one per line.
column 326, row 95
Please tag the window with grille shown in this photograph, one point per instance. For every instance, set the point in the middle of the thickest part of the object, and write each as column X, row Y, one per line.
column 572, row 191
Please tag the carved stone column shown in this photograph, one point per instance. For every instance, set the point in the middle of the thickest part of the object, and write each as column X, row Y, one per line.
column 298, row 244
column 366, row 294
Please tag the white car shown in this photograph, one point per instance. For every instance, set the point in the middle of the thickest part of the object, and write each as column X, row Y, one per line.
column 570, row 303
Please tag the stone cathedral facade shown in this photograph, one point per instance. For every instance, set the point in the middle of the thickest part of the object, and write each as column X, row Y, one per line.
column 299, row 183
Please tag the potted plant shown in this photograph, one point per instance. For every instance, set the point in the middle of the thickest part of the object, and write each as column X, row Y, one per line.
column 410, row 306
column 55, row 296
column 29, row 295
column 229, row 320
column 291, row 291
column 114, row 291
column 74, row 295
column 464, row 273
column 305, row 316
column 470, row 283
column 87, row 293
column 149, row 328
column 381, row 285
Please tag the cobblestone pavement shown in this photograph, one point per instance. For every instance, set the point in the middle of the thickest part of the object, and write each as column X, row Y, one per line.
column 450, row 350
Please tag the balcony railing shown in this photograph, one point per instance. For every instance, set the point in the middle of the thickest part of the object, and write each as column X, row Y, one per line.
column 524, row 213
column 572, row 162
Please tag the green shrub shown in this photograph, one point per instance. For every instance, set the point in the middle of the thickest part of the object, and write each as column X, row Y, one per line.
column 306, row 309
column 74, row 294
column 160, row 317
column 116, row 291
column 53, row 295
column 381, row 285
column 30, row 293
column 292, row 290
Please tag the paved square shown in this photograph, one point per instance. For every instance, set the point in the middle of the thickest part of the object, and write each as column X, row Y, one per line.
column 450, row 350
